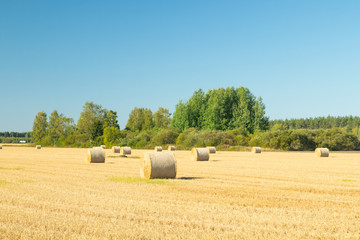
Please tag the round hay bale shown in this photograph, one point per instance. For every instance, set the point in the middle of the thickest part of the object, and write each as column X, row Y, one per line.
column 103, row 146
column 38, row 146
column 116, row 149
column 200, row 154
column 322, row 152
column 0, row 146
column 158, row 149
column 212, row 150
column 125, row 151
column 158, row 165
column 256, row 150
column 96, row 155
column 171, row 148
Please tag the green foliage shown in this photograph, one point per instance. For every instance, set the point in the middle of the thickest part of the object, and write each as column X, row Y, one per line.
column 239, row 136
column 162, row 118
column 97, row 130
column 243, row 110
column 193, row 137
column 165, row 136
column 348, row 122
column 59, row 128
column 301, row 139
column 39, row 127
column 284, row 140
column 180, row 117
column 112, row 136
column 15, row 137
column 260, row 121
column 141, row 140
column 140, row 119
column 226, row 118
column 337, row 139
column 221, row 109
column 196, row 108
column 96, row 142
column 218, row 112
column 110, row 120
column 86, row 124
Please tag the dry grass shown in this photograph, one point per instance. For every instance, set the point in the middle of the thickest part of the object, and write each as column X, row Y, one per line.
column 56, row 194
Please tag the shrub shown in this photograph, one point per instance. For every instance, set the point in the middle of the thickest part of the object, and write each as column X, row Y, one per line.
column 337, row 139
column 201, row 138
column 165, row 136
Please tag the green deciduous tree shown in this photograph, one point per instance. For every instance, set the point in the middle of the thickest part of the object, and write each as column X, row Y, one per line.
column 243, row 110
column 162, row 118
column 97, row 129
column 180, row 118
column 112, row 136
column 140, row 119
column 59, row 127
column 261, row 122
column 110, row 120
column 90, row 118
column 221, row 109
column 39, row 127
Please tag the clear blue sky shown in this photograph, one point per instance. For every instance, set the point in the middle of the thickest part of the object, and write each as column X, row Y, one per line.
column 302, row 57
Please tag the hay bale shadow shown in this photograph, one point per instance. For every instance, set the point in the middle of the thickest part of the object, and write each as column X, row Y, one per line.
column 190, row 178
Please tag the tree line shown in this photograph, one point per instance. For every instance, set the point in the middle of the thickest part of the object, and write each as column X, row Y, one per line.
column 226, row 117
column 14, row 137
column 348, row 122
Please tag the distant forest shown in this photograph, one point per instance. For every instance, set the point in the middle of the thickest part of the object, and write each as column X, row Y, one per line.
column 348, row 122
column 228, row 118
column 15, row 137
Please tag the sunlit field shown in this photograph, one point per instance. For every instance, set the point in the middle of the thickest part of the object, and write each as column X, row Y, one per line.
column 54, row 193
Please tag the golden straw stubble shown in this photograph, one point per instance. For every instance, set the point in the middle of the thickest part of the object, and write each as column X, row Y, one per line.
column 158, row 165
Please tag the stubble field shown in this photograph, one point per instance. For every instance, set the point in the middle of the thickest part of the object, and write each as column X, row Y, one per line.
column 54, row 193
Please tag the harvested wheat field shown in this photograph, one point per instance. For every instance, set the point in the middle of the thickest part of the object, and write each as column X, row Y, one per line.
column 56, row 194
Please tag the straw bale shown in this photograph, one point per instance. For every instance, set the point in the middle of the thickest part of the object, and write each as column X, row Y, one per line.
column 256, row 150
column 96, row 155
column 212, row 150
column 116, row 149
column 38, row 146
column 322, row 152
column 158, row 165
column 171, row 148
column 103, row 146
column 0, row 146
column 158, row 149
column 125, row 151
column 200, row 154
